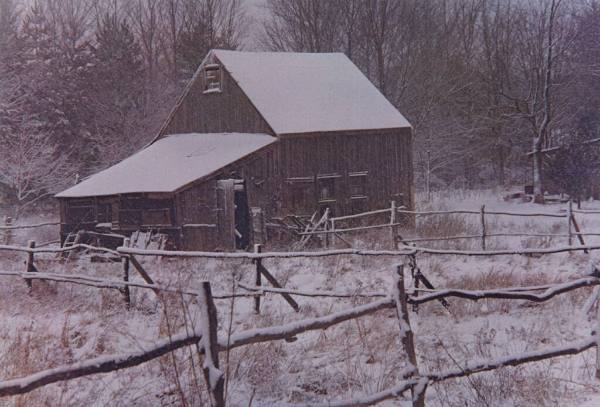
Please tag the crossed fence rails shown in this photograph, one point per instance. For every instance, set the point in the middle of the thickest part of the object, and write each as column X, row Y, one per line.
column 209, row 343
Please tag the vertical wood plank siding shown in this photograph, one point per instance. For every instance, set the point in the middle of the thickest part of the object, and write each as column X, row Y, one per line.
column 228, row 111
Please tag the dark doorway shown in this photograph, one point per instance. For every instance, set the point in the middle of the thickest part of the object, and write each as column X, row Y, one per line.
column 242, row 216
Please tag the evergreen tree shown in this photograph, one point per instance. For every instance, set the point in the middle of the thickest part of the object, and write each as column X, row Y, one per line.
column 117, row 81
column 8, row 30
column 52, row 65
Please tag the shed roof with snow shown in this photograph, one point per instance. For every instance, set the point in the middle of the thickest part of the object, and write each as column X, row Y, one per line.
column 310, row 92
column 184, row 157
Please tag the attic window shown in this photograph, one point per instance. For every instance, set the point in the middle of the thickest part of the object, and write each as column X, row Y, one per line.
column 212, row 78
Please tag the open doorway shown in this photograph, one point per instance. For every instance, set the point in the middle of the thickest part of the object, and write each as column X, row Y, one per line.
column 233, row 214
column 241, row 215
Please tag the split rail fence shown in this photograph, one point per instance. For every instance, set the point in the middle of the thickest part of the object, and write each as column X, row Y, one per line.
column 415, row 379
column 398, row 215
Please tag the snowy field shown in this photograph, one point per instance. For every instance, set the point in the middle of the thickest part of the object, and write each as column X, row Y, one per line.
column 55, row 324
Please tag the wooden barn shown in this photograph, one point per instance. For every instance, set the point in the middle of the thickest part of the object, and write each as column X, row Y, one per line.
column 254, row 135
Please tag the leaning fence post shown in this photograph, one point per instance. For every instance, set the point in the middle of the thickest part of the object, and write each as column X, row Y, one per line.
column 258, row 281
column 406, row 333
column 125, row 263
column 213, row 376
column 29, row 267
column 569, row 215
column 483, row 231
column 413, row 272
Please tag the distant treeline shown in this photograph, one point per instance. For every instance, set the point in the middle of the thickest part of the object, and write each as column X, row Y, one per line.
column 83, row 83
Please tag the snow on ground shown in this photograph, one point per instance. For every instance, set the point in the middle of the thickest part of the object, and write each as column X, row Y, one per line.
column 58, row 323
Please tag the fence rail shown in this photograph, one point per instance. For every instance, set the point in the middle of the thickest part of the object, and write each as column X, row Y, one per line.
column 329, row 226
column 209, row 344
column 9, row 226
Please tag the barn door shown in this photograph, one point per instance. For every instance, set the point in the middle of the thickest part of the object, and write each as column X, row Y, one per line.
column 226, row 213
column 234, row 218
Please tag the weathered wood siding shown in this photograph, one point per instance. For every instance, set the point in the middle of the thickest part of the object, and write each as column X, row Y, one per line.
column 273, row 174
column 384, row 156
column 198, row 207
column 228, row 111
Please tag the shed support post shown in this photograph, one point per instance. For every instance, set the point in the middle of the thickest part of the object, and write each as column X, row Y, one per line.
column 125, row 263
column 258, row 281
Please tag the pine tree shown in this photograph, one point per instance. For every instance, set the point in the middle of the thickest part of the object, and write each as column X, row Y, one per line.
column 52, row 65
column 117, row 81
column 8, row 30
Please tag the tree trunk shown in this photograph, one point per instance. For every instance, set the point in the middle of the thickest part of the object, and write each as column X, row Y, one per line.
column 538, row 190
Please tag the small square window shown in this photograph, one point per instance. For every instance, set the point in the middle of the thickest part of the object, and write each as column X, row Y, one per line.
column 212, row 78
column 326, row 187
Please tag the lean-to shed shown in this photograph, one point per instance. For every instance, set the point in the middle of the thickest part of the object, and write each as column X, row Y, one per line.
column 275, row 133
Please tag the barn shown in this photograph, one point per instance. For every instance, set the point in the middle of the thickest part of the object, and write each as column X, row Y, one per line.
column 255, row 137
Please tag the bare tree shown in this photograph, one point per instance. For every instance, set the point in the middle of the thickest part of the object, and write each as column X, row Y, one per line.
column 543, row 40
column 32, row 165
column 302, row 25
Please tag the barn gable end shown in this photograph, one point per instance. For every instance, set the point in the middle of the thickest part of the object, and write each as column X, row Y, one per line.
column 202, row 109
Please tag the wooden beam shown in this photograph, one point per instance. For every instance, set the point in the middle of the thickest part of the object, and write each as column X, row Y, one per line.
column 276, row 284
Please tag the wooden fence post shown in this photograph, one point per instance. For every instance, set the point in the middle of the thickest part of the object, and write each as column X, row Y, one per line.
column 29, row 267
column 333, row 231
column 392, row 223
column 125, row 262
column 596, row 333
column 258, row 281
column 598, row 359
column 214, row 377
column 483, row 231
column 406, row 333
column 569, row 216
column 326, row 227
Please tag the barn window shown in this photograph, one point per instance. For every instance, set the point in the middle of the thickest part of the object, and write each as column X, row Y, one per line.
column 301, row 194
column 156, row 217
column 82, row 211
column 212, row 78
column 326, row 185
column 358, row 185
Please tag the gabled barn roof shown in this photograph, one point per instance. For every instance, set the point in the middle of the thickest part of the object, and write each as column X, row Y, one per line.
column 310, row 92
column 170, row 163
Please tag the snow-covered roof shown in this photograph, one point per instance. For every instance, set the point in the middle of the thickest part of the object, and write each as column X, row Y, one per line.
column 170, row 163
column 306, row 92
